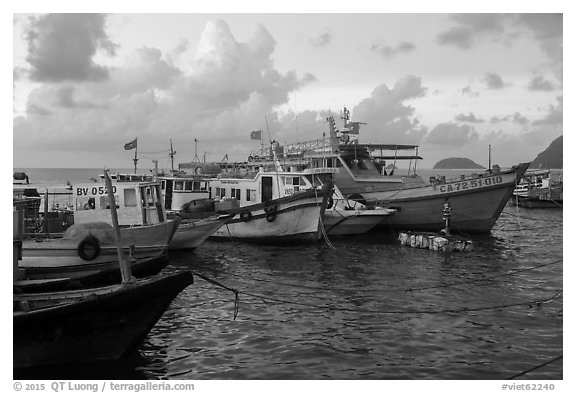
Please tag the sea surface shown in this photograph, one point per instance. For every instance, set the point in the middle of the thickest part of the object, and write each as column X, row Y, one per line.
column 361, row 307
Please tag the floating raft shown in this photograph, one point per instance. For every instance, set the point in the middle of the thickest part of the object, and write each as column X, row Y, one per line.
column 434, row 242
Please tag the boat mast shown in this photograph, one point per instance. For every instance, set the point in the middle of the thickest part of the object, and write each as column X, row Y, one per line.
column 196, row 159
column 135, row 159
column 172, row 154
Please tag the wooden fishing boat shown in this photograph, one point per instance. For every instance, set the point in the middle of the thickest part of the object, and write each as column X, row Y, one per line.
column 344, row 216
column 538, row 189
column 101, row 324
column 294, row 217
column 88, row 247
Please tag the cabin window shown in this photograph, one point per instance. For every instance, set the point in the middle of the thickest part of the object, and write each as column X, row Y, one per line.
column 130, row 197
column 105, row 202
column 188, row 186
column 220, row 193
column 204, row 186
column 163, row 184
column 179, row 185
column 250, row 195
column 296, row 181
column 196, row 186
column 236, row 193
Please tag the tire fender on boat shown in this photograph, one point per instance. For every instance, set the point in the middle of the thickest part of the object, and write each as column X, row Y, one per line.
column 245, row 216
column 271, row 213
column 330, row 203
column 89, row 248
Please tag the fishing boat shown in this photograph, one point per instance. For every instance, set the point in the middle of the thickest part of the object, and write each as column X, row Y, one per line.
column 185, row 198
column 99, row 324
column 542, row 188
column 90, row 325
column 344, row 216
column 360, row 173
column 88, row 247
column 270, row 205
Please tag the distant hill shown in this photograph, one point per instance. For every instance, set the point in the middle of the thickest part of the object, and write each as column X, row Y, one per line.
column 551, row 158
column 457, row 163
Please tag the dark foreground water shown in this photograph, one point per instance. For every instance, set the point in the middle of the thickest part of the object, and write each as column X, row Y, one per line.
column 366, row 309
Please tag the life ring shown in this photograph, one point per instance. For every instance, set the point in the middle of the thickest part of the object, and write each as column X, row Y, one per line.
column 271, row 213
column 330, row 203
column 89, row 248
column 245, row 216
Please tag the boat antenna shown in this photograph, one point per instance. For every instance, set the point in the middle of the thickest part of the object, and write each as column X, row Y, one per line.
column 269, row 137
column 172, row 154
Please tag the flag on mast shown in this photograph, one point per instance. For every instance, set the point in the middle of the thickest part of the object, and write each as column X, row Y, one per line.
column 257, row 135
column 131, row 145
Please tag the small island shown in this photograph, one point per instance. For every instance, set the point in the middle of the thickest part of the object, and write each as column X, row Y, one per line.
column 457, row 163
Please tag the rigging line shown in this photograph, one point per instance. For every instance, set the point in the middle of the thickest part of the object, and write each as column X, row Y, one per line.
column 533, row 219
column 537, row 367
column 154, row 152
column 438, row 311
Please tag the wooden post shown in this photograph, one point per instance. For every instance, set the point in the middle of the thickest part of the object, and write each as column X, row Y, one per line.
column 125, row 268
column 46, row 213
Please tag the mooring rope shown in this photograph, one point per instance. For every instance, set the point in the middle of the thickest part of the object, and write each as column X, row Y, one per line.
column 537, row 367
column 236, row 292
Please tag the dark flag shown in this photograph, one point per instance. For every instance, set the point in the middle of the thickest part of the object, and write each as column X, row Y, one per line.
column 131, row 145
column 257, row 135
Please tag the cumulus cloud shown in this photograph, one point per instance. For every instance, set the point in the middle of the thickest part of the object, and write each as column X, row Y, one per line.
column 322, row 39
column 493, row 81
column 389, row 51
column 467, row 91
column 469, row 27
column 387, row 114
column 538, row 83
column 554, row 115
column 469, row 118
column 545, row 29
column 515, row 118
column 452, row 134
column 218, row 98
column 61, row 47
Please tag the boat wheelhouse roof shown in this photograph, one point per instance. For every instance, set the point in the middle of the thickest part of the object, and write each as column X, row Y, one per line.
column 379, row 146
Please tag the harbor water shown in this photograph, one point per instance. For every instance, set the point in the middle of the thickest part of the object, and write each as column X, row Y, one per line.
column 361, row 307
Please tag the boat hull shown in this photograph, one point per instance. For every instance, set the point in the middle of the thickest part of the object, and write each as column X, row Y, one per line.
column 190, row 234
column 52, row 258
column 352, row 222
column 536, row 203
column 105, row 324
column 292, row 218
column 293, row 221
column 476, row 203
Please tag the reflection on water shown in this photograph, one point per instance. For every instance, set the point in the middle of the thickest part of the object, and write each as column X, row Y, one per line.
column 368, row 309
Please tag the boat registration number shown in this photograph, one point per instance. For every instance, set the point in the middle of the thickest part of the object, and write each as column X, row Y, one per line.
column 471, row 184
column 85, row 191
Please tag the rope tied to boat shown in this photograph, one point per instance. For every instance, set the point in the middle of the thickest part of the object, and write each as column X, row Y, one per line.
column 236, row 292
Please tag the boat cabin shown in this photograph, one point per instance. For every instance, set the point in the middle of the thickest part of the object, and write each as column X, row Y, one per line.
column 136, row 203
column 265, row 186
column 180, row 190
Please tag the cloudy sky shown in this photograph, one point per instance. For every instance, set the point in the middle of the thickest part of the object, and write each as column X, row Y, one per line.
column 86, row 84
